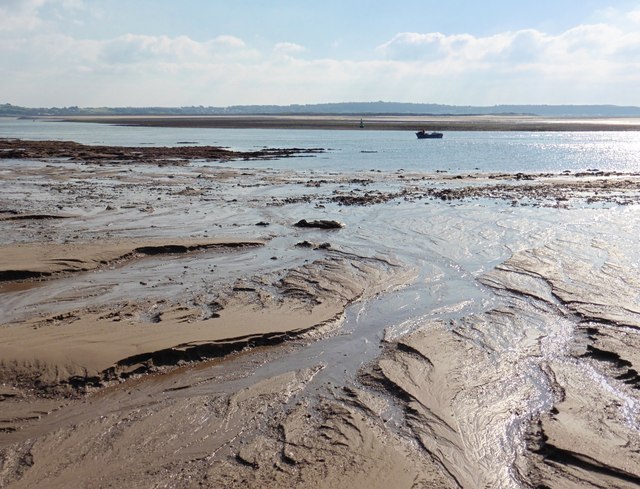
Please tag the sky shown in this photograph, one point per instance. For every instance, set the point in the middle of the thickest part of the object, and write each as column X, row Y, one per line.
column 93, row 53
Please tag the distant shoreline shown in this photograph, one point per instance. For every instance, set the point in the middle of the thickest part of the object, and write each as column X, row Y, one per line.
column 377, row 122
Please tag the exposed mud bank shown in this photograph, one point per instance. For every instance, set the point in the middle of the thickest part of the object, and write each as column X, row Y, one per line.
column 25, row 261
column 227, row 439
column 590, row 437
column 19, row 149
column 374, row 122
column 540, row 393
column 87, row 347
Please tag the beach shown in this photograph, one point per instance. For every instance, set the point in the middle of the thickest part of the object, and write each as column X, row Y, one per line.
column 409, row 122
column 195, row 317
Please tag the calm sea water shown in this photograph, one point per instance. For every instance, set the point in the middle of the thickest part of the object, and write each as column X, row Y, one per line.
column 373, row 150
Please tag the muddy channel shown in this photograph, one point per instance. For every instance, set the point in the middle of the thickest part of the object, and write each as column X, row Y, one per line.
column 165, row 323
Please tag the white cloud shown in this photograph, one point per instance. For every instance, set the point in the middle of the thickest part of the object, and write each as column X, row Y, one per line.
column 578, row 52
column 147, row 50
column 634, row 16
column 73, row 4
column 595, row 63
column 227, row 41
column 412, row 45
column 288, row 48
column 16, row 15
column 28, row 15
column 132, row 48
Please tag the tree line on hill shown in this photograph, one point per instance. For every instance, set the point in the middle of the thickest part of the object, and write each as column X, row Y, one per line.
column 343, row 108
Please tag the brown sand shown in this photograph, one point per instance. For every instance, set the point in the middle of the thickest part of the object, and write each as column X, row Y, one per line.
column 88, row 346
column 585, row 440
column 30, row 260
column 455, row 390
column 377, row 122
column 185, row 438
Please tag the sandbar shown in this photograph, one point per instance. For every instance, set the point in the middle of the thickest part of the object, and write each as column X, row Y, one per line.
column 376, row 122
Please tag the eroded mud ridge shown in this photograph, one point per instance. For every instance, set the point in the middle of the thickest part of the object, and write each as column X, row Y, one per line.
column 570, row 389
column 89, row 346
column 196, row 325
column 591, row 435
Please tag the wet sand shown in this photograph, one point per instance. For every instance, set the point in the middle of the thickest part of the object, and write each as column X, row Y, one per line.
column 185, row 332
column 377, row 122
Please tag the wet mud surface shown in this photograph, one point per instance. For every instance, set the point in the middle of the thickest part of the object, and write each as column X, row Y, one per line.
column 17, row 149
column 172, row 326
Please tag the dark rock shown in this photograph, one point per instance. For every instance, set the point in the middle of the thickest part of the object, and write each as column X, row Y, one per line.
column 315, row 246
column 321, row 224
column 304, row 244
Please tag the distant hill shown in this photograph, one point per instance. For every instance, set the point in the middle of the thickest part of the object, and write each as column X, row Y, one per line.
column 351, row 108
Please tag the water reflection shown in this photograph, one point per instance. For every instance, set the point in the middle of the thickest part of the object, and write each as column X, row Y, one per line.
column 355, row 150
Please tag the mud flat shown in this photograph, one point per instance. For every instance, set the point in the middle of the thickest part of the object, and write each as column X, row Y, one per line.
column 590, row 437
column 170, row 325
column 376, row 122
column 32, row 260
column 575, row 405
column 17, row 149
